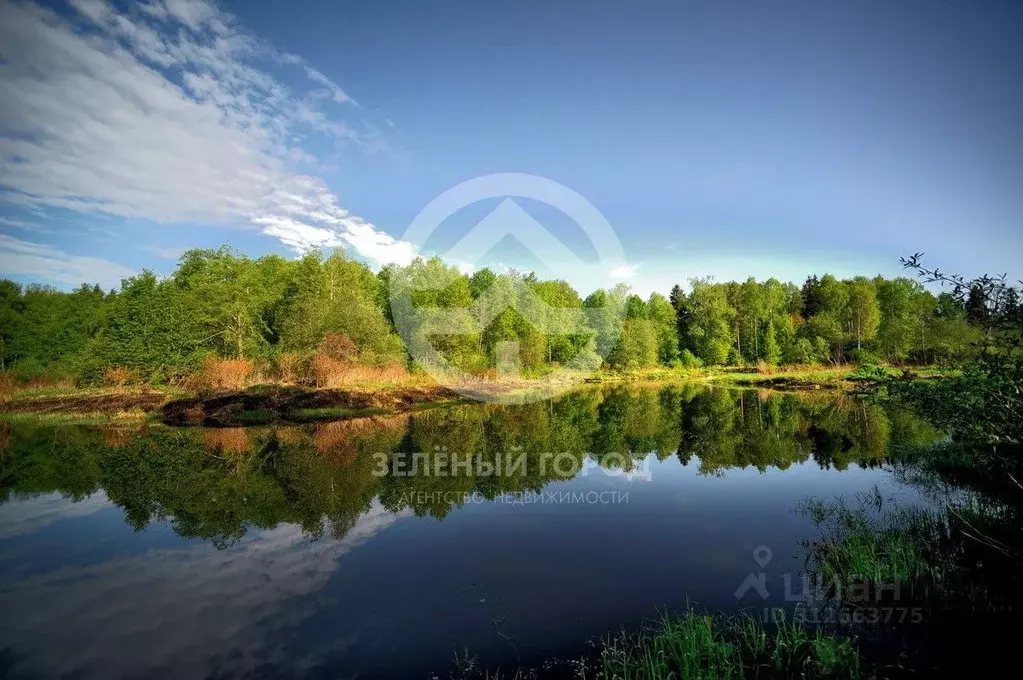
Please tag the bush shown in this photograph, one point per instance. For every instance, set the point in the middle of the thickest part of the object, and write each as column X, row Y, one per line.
column 865, row 357
column 28, row 369
column 8, row 383
column 327, row 371
column 118, row 376
column 339, row 347
column 689, row 360
column 224, row 373
column 290, row 367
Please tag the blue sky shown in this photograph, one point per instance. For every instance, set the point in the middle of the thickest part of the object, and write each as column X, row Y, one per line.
column 725, row 139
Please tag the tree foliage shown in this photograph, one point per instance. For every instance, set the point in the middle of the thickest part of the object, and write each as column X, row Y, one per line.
column 274, row 311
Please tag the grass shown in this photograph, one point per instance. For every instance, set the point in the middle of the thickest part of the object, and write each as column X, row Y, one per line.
column 38, row 392
column 692, row 645
column 84, row 418
column 877, row 540
column 695, row 645
column 55, row 402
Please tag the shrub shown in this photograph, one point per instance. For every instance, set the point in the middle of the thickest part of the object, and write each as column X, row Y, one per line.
column 865, row 357
column 28, row 369
column 689, row 360
column 289, row 367
column 8, row 383
column 118, row 376
column 339, row 347
column 224, row 373
column 327, row 372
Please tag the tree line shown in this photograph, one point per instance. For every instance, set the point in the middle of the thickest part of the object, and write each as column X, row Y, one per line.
column 277, row 315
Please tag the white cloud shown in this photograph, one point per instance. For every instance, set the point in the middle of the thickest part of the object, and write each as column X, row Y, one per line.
column 23, row 225
column 21, row 258
column 168, row 112
column 31, row 514
column 623, row 271
column 168, row 253
column 224, row 608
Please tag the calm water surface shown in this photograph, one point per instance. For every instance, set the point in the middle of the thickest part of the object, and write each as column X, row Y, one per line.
column 302, row 551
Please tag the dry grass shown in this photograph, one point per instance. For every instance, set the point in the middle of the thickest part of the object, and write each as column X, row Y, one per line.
column 289, row 367
column 231, row 440
column 338, row 347
column 118, row 376
column 332, row 374
column 223, row 374
column 8, row 384
column 787, row 369
column 327, row 372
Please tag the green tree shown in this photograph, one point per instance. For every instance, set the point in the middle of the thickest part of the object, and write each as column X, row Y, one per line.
column 710, row 322
column 862, row 311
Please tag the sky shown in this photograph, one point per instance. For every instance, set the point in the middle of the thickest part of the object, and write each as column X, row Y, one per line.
column 720, row 139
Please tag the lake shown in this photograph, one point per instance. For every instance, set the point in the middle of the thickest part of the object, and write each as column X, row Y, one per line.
column 380, row 547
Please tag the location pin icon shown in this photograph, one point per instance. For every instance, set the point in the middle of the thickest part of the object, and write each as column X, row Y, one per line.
column 762, row 554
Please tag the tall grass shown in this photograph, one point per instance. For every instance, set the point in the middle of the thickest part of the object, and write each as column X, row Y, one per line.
column 877, row 540
column 229, row 374
column 118, row 376
column 695, row 645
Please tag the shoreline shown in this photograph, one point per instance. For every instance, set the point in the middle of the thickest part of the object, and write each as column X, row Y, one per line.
column 263, row 404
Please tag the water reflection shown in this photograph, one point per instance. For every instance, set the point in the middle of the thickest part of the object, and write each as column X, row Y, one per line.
column 215, row 484
column 295, row 550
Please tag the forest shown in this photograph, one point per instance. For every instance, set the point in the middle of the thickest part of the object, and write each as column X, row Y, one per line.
column 237, row 320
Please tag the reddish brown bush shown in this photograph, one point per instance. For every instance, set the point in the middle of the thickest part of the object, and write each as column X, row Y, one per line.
column 338, row 347
column 221, row 374
column 328, row 372
column 288, row 366
column 8, row 384
column 118, row 376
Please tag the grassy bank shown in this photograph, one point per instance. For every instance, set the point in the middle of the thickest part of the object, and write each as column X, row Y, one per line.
column 693, row 645
column 266, row 403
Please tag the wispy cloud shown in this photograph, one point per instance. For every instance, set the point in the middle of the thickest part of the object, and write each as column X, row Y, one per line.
column 24, row 225
column 168, row 253
column 623, row 271
column 21, row 258
column 192, row 596
column 168, row 111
